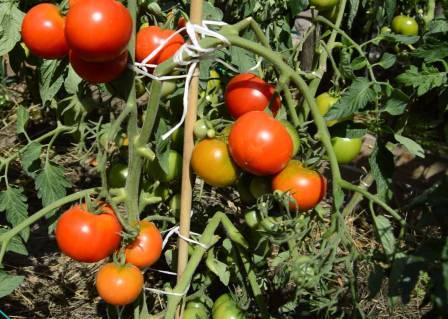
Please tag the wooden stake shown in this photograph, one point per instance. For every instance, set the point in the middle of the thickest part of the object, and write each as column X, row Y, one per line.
column 187, row 183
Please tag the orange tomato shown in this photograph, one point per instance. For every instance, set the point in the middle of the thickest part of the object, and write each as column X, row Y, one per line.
column 146, row 249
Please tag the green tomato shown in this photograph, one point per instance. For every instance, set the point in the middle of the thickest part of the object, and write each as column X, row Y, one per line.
column 174, row 168
column 195, row 310
column 260, row 186
column 346, row 149
column 168, row 88
column 177, row 139
column 228, row 310
column 323, row 5
column 200, row 129
column 294, row 136
column 223, row 299
column 140, row 87
column 324, row 102
column 405, row 25
column 174, row 205
column 251, row 218
column 244, row 191
column 117, row 175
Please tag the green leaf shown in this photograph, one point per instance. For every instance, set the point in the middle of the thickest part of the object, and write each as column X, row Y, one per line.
column 385, row 233
column 437, row 26
column 354, row 5
column 14, row 203
column 387, row 60
column 431, row 52
column 243, row 59
column 389, row 9
column 375, row 280
column 398, row 38
column 296, row 6
column 72, row 81
column 210, row 12
column 51, row 184
column 8, row 283
column 397, row 103
column 16, row 244
column 218, row 268
column 345, row 64
column 412, row 146
column 10, row 25
column 359, row 63
column 356, row 98
column 162, row 146
column 22, row 119
column 425, row 80
column 382, row 166
column 30, row 158
column 51, row 79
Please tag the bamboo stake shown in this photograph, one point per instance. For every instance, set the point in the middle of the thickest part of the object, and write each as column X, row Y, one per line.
column 187, row 183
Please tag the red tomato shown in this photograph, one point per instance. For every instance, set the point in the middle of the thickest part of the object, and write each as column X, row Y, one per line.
column 119, row 284
column 98, row 72
column 87, row 237
column 43, row 31
column 149, row 38
column 146, row 249
column 260, row 144
column 306, row 186
column 247, row 92
column 98, row 30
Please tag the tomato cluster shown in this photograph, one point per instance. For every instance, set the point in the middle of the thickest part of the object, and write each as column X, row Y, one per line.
column 95, row 35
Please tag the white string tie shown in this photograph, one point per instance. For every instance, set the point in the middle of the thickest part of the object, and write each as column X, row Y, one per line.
column 164, row 292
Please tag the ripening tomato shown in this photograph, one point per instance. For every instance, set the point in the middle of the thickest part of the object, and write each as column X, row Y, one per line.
column 98, row 30
column 260, row 144
column 146, row 249
column 211, row 161
column 324, row 102
column 346, row 149
column 98, row 72
column 119, row 284
column 323, row 5
column 247, row 92
column 87, row 237
column 306, row 186
column 294, row 136
column 43, row 31
column 149, row 38
column 405, row 25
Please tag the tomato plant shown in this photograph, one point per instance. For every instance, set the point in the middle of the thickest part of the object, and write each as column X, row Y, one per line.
column 149, row 38
column 146, row 249
column 324, row 5
column 247, row 92
column 260, row 144
column 174, row 168
column 88, row 237
column 324, row 102
column 119, row 284
column 195, row 310
column 43, row 31
column 307, row 187
column 90, row 33
column 225, row 308
column 211, row 161
column 118, row 173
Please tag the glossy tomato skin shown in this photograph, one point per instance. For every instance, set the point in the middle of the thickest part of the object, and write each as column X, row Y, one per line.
column 87, row 237
column 149, row 38
column 211, row 161
column 146, row 249
column 119, row 284
column 117, row 175
column 195, row 310
column 98, row 72
column 324, row 5
column 247, row 92
column 405, row 25
column 346, row 149
column 324, row 102
column 98, row 30
column 226, row 308
column 43, row 31
column 306, row 186
column 260, row 144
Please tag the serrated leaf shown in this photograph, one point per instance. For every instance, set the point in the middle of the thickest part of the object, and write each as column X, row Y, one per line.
column 398, row 38
column 243, row 59
column 30, row 158
column 210, row 12
column 72, row 81
column 354, row 5
column 10, row 25
column 51, row 79
column 345, row 64
column 22, row 119
column 412, row 146
column 16, row 244
column 356, row 98
column 389, row 9
column 425, row 80
column 397, row 103
column 359, row 63
column 437, row 26
column 385, row 233
column 14, row 203
column 387, row 60
column 431, row 52
column 8, row 283
column 382, row 166
column 51, row 184
column 218, row 268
